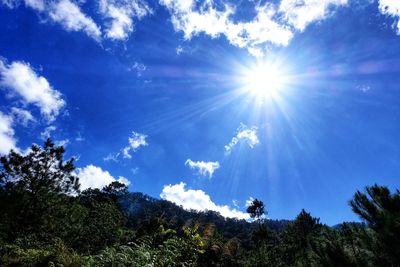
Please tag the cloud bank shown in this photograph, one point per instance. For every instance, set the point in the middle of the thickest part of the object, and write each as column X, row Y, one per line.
column 197, row 200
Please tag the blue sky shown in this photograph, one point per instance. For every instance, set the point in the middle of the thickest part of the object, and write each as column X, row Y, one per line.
column 210, row 103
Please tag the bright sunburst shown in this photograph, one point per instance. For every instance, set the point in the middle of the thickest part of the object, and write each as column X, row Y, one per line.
column 264, row 79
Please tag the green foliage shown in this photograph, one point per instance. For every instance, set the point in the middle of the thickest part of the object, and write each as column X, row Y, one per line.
column 173, row 251
column 57, row 255
column 381, row 210
column 46, row 221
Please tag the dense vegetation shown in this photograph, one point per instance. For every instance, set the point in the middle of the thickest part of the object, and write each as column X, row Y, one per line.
column 46, row 221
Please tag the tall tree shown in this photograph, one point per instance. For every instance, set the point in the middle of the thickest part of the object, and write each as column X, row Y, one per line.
column 33, row 188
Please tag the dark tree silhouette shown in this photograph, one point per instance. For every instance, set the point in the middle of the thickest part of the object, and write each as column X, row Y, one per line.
column 256, row 209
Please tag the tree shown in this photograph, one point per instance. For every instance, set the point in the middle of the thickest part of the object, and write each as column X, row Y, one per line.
column 34, row 190
column 256, row 209
column 297, row 236
column 381, row 210
column 41, row 170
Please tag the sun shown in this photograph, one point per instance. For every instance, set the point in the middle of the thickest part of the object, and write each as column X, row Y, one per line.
column 264, row 79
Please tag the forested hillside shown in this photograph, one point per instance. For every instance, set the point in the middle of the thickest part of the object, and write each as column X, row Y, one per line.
column 46, row 220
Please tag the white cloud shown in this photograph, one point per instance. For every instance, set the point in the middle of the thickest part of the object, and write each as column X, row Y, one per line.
column 70, row 16
column 391, row 8
column 19, row 78
column 7, row 139
column 203, row 168
column 244, row 134
column 135, row 142
column 208, row 20
column 22, row 116
column 120, row 14
column 197, row 200
column 301, row 13
column 272, row 24
column 94, row 177
column 65, row 12
column 47, row 132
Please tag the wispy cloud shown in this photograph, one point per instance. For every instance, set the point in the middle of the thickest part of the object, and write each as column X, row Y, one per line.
column 197, row 200
column 64, row 12
column 71, row 17
column 20, row 79
column 22, row 116
column 202, row 167
column 119, row 16
column 112, row 157
column 179, row 50
column 243, row 134
column 79, row 138
column 136, row 141
column 139, row 68
column 46, row 133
